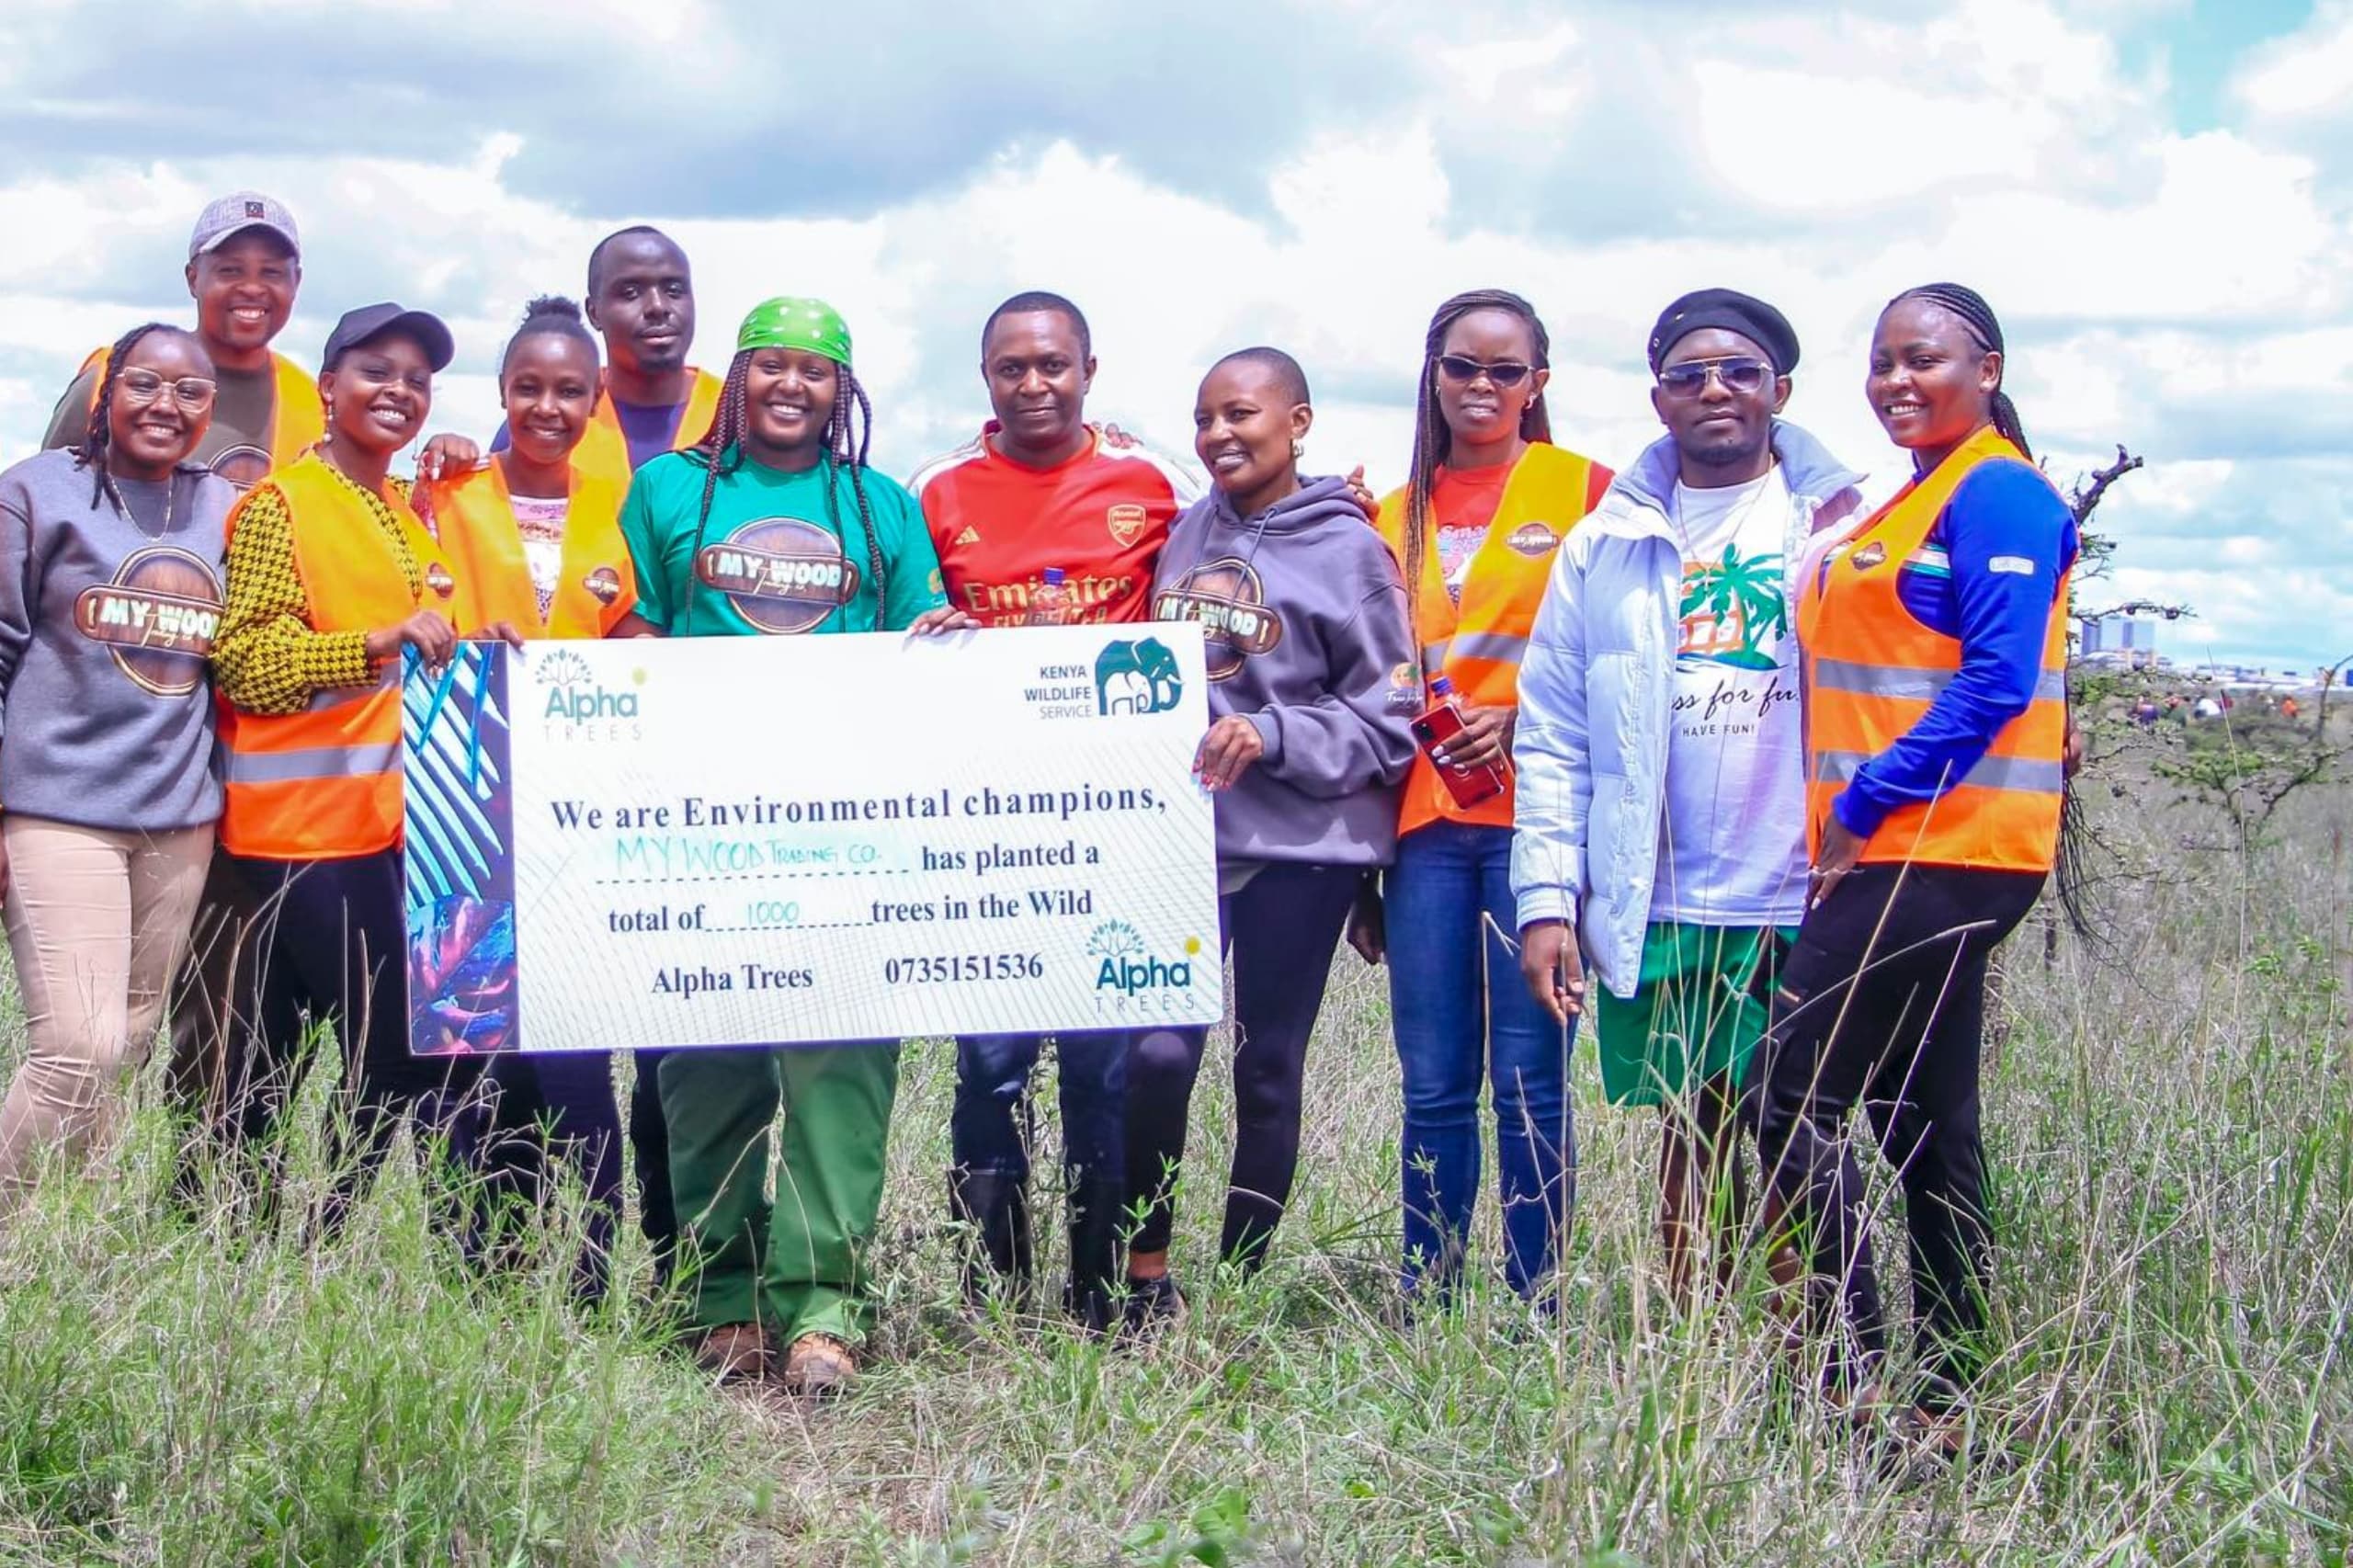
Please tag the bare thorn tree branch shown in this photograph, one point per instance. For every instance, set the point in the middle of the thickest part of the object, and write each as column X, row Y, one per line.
column 2089, row 492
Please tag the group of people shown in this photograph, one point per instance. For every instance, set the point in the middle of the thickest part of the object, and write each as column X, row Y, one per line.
column 1779, row 768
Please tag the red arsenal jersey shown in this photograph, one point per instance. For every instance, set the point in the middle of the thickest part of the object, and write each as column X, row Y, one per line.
column 1101, row 517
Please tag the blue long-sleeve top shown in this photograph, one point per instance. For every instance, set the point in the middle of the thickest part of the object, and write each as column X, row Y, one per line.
column 2009, row 540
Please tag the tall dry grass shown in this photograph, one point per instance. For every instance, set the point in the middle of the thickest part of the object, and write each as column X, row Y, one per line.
column 2170, row 1124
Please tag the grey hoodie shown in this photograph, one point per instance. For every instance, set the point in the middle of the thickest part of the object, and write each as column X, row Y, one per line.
column 106, row 706
column 1306, row 619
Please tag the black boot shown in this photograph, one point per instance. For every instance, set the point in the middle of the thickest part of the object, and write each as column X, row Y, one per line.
column 996, row 1206
column 1097, row 1216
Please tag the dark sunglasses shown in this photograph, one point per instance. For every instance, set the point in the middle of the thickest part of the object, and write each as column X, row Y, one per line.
column 1502, row 373
column 1739, row 374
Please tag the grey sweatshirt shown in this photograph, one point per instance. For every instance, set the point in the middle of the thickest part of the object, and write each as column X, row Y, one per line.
column 106, row 710
column 1306, row 619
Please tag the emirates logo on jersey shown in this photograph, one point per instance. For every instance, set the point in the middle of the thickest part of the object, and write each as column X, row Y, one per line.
column 1534, row 541
column 1126, row 522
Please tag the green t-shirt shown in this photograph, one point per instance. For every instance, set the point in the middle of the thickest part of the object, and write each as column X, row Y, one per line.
column 772, row 559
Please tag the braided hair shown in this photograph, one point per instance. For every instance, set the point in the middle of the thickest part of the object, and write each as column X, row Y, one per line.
column 1433, row 442
column 1975, row 314
column 847, row 434
column 100, row 433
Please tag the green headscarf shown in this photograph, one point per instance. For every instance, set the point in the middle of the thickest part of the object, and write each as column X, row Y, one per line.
column 792, row 321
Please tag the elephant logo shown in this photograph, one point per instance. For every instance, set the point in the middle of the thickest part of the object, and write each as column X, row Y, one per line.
column 1137, row 677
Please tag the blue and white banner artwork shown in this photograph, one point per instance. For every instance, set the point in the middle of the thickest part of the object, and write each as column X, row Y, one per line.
column 796, row 840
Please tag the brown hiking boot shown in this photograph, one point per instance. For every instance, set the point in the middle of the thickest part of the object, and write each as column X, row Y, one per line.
column 819, row 1365
column 735, row 1352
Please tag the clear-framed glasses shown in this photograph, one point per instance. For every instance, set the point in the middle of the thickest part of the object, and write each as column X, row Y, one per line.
column 141, row 387
column 1739, row 373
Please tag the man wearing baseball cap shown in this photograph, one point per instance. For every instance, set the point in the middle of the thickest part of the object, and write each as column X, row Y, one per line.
column 245, row 263
column 1661, row 672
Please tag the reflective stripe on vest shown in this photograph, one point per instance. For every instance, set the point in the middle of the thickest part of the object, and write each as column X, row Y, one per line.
column 2019, row 773
column 1479, row 642
column 1872, row 668
column 1498, row 646
column 1921, row 686
column 322, row 762
column 324, row 783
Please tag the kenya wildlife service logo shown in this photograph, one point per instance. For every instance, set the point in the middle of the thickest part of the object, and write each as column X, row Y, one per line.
column 157, row 619
column 1137, row 677
column 782, row 574
column 1229, row 602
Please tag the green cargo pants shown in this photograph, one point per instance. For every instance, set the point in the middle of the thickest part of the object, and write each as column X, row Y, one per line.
column 795, row 1262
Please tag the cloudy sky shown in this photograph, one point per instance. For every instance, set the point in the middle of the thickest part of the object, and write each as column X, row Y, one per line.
column 2157, row 196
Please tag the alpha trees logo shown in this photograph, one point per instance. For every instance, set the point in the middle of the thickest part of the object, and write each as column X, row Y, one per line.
column 1136, row 678
column 574, row 695
column 1128, row 970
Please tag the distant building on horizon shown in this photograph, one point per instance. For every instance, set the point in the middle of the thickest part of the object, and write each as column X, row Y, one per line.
column 2128, row 642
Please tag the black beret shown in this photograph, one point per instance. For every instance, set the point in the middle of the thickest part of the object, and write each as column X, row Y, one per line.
column 1735, row 312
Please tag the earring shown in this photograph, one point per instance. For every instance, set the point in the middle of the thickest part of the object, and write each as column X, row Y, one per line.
column 1298, row 450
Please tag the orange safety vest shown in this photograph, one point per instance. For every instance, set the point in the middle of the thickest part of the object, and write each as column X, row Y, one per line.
column 324, row 784
column 603, row 452
column 474, row 515
column 298, row 420
column 1871, row 669
column 1478, row 644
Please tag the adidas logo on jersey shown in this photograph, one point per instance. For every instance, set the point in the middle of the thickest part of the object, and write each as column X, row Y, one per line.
column 970, row 536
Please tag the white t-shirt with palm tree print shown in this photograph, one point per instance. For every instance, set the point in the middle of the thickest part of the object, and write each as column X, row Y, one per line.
column 1731, row 840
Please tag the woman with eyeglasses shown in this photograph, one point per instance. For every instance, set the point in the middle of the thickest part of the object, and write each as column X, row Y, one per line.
column 1477, row 528
column 111, row 571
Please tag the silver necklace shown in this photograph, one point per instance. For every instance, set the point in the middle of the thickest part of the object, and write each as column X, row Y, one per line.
column 171, row 490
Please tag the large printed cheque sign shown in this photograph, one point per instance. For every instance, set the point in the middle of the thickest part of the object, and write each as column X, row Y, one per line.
column 791, row 840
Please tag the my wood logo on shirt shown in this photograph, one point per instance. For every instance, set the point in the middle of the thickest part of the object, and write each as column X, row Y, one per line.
column 782, row 574
column 1229, row 601
column 158, row 618
column 1533, row 541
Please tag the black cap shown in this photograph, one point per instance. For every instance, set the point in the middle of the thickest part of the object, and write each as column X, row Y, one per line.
column 1733, row 310
column 373, row 321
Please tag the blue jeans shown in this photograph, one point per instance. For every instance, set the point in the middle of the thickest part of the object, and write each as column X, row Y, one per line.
column 1463, row 1014
column 992, row 1128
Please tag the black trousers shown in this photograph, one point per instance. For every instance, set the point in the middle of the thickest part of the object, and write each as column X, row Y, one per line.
column 538, row 1112
column 1883, row 1002
column 309, row 943
column 649, row 1142
column 1281, row 929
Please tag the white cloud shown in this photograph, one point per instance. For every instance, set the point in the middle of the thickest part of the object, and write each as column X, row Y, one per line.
column 2183, row 293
